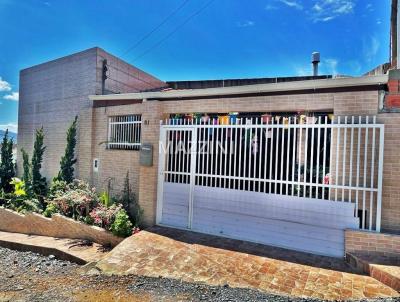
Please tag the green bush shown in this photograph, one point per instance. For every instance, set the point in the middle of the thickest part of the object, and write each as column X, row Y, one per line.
column 76, row 200
column 57, row 188
column 130, row 204
column 121, row 226
column 50, row 210
column 23, row 205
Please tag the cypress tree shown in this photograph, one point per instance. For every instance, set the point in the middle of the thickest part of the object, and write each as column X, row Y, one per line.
column 68, row 161
column 26, row 176
column 7, row 167
column 39, row 184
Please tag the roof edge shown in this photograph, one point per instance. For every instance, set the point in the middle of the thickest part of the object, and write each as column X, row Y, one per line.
column 250, row 89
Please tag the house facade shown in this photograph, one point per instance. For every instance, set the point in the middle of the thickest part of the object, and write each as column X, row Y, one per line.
column 292, row 162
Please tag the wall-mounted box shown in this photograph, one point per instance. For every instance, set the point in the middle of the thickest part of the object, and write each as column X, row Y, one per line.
column 95, row 165
column 146, row 155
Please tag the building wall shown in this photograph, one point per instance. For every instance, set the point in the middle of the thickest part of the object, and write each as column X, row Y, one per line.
column 114, row 163
column 52, row 93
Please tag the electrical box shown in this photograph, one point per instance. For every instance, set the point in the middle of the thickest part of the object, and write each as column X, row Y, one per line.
column 146, row 155
column 95, row 165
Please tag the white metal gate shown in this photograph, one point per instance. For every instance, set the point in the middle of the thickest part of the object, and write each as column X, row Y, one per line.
column 292, row 182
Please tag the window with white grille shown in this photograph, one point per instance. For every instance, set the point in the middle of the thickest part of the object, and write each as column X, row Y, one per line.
column 124, row 132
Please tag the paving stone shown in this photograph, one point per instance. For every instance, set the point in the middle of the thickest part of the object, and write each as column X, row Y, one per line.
column 217, row 261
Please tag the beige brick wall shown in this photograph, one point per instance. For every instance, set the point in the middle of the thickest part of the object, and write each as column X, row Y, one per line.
column 52, row 93
column 372, row 244
column 114, row 163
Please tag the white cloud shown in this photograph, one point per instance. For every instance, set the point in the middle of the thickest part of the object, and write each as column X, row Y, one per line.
column 4, row 85
column 13, row 96
column 270, row 7
column 326, row 10
column 10, row 126
column 292, row 3
column 330, row 66
column 303, row 70
column 370, row 48
column 247, row 23
column 369, row 7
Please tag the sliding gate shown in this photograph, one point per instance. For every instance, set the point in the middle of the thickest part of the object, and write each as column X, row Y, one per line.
column 293, row 182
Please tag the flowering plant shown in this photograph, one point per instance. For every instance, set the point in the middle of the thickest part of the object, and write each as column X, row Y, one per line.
column 74, row 200
column 103, row 216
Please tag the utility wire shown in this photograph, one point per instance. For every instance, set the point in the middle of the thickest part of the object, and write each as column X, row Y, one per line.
column 155, row 28
column 173, row 31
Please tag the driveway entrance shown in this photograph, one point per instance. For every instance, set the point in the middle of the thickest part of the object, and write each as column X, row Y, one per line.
column 195, row 257
column 291, row 183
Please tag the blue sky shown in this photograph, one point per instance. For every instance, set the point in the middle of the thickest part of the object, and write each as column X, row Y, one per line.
column 227, row 39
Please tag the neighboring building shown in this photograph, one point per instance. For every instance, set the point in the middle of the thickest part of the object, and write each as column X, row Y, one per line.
column 296, row 174
column 52, row 93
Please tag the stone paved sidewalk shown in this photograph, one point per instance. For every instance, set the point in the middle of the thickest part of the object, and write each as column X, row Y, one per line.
column 193, row 257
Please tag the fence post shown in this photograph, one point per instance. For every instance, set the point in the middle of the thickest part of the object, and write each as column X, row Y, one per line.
column 380, row 178
column 161, row 165
column 193, row 162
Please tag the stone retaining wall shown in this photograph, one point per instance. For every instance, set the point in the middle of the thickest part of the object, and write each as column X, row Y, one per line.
column 58, row 226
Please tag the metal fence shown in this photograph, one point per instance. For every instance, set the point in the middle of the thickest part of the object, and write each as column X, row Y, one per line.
column 312, row 157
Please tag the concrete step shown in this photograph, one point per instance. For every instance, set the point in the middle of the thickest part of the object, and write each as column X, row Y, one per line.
column 384, row 269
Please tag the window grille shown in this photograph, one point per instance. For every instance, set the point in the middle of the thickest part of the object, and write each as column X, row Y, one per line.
column 124, row 132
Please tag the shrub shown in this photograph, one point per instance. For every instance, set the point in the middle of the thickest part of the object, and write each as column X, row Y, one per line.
column 103, row 216
column 50, row 210
column 121, row 226
column 106, row 200
column 57, row 188
column 77, row 201
column 39, row 184
column 19, row 200
column 19, row 187
column 130, row 204
column 27, row 176
column 7, row 167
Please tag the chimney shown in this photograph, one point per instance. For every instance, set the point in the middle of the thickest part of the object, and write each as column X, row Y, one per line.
column 315, row 59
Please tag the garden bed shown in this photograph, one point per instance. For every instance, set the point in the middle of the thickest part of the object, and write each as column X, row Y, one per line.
column 57, row 226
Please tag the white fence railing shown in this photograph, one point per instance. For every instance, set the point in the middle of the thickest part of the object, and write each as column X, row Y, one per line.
column 311, row 157
column 124, row 132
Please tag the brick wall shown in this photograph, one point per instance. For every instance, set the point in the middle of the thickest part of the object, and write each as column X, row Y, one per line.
column 51, row 94
column 372, row 244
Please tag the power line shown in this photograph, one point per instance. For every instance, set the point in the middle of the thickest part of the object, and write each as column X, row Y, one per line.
column 155, row 28
column 173, row 31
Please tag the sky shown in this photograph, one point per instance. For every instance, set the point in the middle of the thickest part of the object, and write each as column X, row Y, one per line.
column 194, row 39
